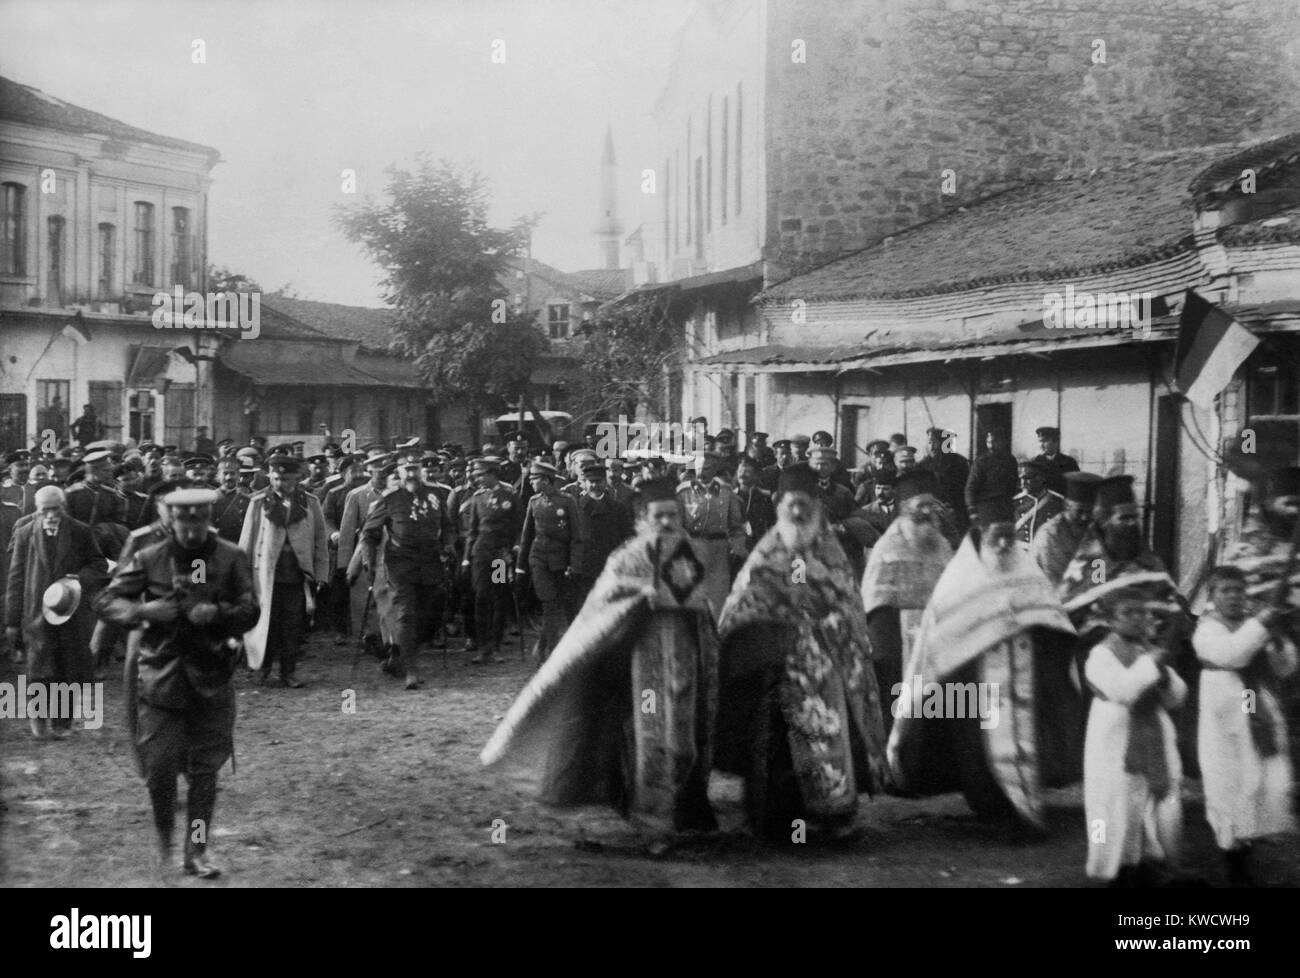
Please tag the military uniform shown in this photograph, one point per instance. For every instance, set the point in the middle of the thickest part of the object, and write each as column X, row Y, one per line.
column 186, row 699
column 138, row 510
column 1033, row 512
column 228, row 513
column 1055, row 468
column 550, row 551
column 953, row 470
column 103, row 510
column 711, row 515
column 420, row 530
column 494, row 525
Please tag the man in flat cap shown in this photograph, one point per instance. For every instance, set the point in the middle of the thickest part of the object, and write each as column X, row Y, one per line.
column 129, row 477
column 14, row 488
column 616, row 480
column 199, row 469
column 800, row 444
column 952, row 470
column 855, row 534
column 783, row 449
column 94, row 502
column 879, row 459
column 193, row 595
column 550, row 552
column 607, row 523
column 756, row 448
column 994, row 481
column 284, row 534
column 495, row 521
column 904, row 459
column 1035, row 504
column 412, row 524
column 1050, row 455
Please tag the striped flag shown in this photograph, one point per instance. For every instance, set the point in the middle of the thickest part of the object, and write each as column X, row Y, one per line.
column 77, row 330
column 1211, row 346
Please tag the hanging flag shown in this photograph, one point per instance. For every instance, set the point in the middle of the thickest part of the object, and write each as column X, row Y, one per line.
column 1211, row 346
column 77, row 330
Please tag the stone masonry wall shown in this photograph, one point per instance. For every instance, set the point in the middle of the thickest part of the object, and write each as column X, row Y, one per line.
column 894, row 92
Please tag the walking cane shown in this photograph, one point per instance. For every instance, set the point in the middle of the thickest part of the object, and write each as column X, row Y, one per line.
column 514, row 596
column 361, row 632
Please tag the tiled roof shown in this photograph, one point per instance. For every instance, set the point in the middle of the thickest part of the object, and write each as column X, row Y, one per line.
column 1280, row 228
column 278, row 325
column 1224, row 173
column 251, row 359
column 22, row 103
column 371, row 328
column 603, row 283
column 1077, row 224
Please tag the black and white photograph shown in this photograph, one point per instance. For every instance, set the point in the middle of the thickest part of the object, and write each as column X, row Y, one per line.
column 747, row 444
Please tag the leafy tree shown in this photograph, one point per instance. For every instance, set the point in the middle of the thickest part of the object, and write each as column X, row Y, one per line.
column 444, row 274
column 628, row 350
column 224, row 280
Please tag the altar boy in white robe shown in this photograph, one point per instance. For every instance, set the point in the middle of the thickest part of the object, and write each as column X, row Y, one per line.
column 1131, row 769
column 1242, row 735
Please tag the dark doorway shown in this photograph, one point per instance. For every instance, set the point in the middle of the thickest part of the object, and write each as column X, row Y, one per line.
column 853, row 434
column 1160, row 522
column 990, row 417
column 13, row 422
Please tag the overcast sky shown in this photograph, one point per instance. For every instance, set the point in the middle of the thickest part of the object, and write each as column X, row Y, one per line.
column 295, row 91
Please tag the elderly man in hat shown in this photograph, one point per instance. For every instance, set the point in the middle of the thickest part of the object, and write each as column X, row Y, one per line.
column 418, row 535
column 495, row 521
column 1036, row 504
column 1054, row 543
column 550, row 551
column 711, row 516
column 285, row 536
column 799, row 712
column 1057, row 464
column 181, row 669
column 54, row 562
column 622, row 712
column 901, row 573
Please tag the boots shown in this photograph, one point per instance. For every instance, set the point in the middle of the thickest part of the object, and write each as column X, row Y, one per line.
column 201, row 805
column 162, row 797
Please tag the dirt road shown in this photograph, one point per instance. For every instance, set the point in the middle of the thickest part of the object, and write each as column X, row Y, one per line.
column 393, row 795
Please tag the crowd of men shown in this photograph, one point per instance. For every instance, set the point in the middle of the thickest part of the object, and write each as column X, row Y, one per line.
column 791, row 611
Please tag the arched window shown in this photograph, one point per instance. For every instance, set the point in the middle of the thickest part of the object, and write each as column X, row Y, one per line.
column 13, row 229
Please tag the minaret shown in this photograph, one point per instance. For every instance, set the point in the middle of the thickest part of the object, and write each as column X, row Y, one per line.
column 610, row 228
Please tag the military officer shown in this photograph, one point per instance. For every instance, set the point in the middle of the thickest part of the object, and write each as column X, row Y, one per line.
column 420, row 537
column 712, row 517
column 755, row 504
column 130, row 477
column 231, row 503
column 94, row 502
column 1058, row 464
column 606, row 525
column 615, row 479
column 14, row 489
column 490, row 545
column 181, row 670
column 550, row 551
column 318, row 471
column 198, row 469
column 784, row 450
column 356, row 507
column 850, row 525
column 1035, row 504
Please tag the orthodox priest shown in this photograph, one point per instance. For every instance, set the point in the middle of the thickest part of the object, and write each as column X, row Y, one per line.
column 904, row 566
column 799, row 712
column 1054, row 545
column 622, row 712
column 996, row 637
